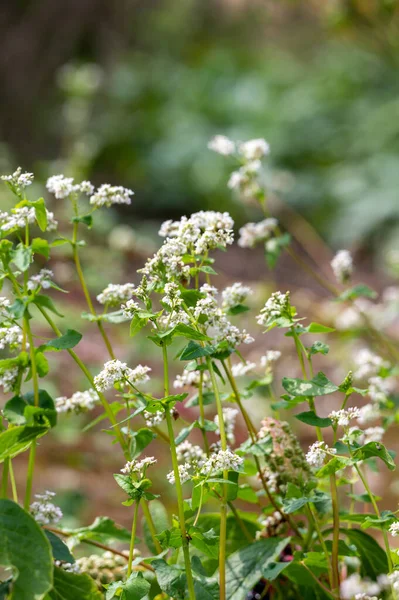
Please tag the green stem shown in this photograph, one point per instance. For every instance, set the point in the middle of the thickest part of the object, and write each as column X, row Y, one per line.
column 13, row 484
column 377, row 512
column 4, row 477
column 29, row 477
column 335, row 541
column 150, row 522
column 88, row 375
column 132, row 539
column 179, row 491
column 223, row 503
column 321, row 540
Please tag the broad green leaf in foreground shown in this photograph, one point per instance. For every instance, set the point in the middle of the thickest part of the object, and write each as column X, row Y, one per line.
column 25, row 548
column 15, row 440
column 320, row 385
column 72, row 586
column 245, row 567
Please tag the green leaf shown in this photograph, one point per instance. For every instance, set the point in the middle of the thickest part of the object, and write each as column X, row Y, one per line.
column 205, row 588
column 194, row 350
column 15, row 440
column 40, row 246
column 21, row 410
column 171, row 578
column 247, row 494
column 237, row 310
column 274, row 249
column 170, row 538
column 317, row 328
column 71, row 586
column 132, row 488
column 375, row 449
column 17, row 309
column 319, row 348
column 259, row 448
column 320, row 385
column 22, row 257
column 42, row 365
column 358, row 291
column 273, row 570
column 70, row 339
column 85, row 219
column 103, row 530
column 40, row 212
column 140, row 440
column 60, row 551
column 373, row 559
column 245, row 567
column 135, row 588
column 188, row 332
column 25, row 548
column 235, row 538
column 136, row 325
column 310, row 418
column 335, row 464
column 46, row 302
column 207, row 542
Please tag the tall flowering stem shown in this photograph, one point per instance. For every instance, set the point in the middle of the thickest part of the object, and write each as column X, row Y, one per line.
column 32, row 454
column 133, row 538
column 179, row 490
column 223, row 504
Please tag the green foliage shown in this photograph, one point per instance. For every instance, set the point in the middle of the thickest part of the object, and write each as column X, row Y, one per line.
column 29, row 556
column 70, row 586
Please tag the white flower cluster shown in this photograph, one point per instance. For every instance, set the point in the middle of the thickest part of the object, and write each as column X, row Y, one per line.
column 20, row 217
column 18, row 179
column 222, row 145
column 235, row 294
column 138, row 466
column 368, row 413
column 115, row 294
column 202, row 232
column 371, row 434
column 240, row 369
column 223, row 460
column 79, row 402
column 342, row 265
column 344, row 416
column 172, row 296
column 191, row 379
column 190, row 454
column 68, row 567
column 229, row 419
column 44, row 510
column 245, row 178
column 153, row 419
column 380, row 388
column 8, row 379
column 108, row 195
column 317, row 454
column 394, row 529
column 184, row 474
column 278, row 305
column 272, row 524
column 11, row 336
column 42, row 279
column 356, row 588
column 115, row 371
column 368, row 364
column 270, row 357
column 130, row 309
column 62, row 187
column 253, row 233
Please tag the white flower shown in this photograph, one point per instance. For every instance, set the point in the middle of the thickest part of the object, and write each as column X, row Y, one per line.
column 317, row 454
column 107, row 195
column 222, row 145
column 18, row 179
column 4, row 302
column 42, row 279
column 60, row 186
column 278, row 305
column 172, row 296
column 252, row 233
column 153, row 419
column 130, row 309
column 190, row 454
column 223, row 460
column 373, row 434
column 369, row 412
column 10, row 336
column 115, row 294
column 241, row 369
column 369, row 364
column 344, row 416
column 184, row 474
column 354, row 587
column 115, row 371
column 270, row 357
column 79, row 402
column 138, row 467
column 380, row 388
column 245, row 179
column 86, row 187
column 229, row 419
column 8, row 379
column 254, row 149
column 235, row 294
column 394, row 529
column 191, row 379
column 19, row 218
column 342, row 265
column 44, row 511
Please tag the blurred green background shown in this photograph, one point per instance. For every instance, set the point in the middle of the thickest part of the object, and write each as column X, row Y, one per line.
column 130, row 91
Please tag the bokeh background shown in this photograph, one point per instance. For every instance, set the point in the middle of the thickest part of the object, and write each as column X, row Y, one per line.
column 130, row 92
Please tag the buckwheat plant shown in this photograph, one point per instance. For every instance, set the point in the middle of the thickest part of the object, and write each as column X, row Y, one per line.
column 255, row 514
